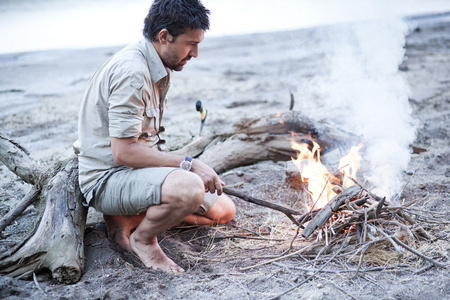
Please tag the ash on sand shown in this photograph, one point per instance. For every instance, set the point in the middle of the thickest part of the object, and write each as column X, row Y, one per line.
column 39, row 102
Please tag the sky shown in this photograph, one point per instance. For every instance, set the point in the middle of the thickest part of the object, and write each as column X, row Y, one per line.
column 29, row 25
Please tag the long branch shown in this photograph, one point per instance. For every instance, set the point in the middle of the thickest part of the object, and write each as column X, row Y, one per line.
column 18, row 209
column 287, row 211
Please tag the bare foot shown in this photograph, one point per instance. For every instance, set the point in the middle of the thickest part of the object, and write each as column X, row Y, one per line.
column 153, row 257
column 119, row 229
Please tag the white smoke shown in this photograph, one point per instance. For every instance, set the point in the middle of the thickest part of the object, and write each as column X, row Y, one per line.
column 364, row 92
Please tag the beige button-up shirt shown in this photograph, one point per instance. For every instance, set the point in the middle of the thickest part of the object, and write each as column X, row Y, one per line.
column 125, row 98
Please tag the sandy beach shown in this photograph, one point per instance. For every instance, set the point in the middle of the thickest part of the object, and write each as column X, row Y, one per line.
column 235, row 77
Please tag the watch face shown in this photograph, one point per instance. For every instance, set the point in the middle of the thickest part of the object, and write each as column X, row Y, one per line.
column 186, row 165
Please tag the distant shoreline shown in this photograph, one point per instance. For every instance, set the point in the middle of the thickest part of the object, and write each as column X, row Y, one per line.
column 421, row 20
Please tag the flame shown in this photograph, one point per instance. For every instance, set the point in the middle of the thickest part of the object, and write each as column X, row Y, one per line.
column 318, row 179
column 279, row 115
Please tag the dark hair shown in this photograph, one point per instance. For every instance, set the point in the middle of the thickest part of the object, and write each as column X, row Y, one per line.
column 177, row 16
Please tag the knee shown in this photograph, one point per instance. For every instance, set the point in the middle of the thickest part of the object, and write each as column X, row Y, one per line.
column 185, row 189
column 223, row 211
column 229, row 212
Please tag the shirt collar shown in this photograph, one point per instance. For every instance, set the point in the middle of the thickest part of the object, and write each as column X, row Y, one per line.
column 155, row 64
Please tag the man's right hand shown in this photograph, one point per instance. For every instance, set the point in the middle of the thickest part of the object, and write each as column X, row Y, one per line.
column 209, row 176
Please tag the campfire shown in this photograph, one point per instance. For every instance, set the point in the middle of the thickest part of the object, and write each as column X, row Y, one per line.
column 345, row 218
column 322, row 185
column 340, row 204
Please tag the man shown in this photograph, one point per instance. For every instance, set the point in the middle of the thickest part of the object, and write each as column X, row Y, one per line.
column 122, row 172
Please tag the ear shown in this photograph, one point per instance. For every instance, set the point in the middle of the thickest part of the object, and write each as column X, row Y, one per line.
column 164, row 36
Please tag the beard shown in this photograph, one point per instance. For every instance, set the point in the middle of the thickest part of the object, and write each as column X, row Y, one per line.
column 172, row 61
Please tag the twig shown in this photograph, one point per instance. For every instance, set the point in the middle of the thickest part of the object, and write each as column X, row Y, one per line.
column 390, row 239
column 405, row 227
column 379, row 206
column 437, row 264
column 277, row 258
column 338, row 287
column 251, row 231
column 368, row 192
column 365, row 226
column 421, row 270
column 237, row 236
column 295, row 236
column 19, row 209
column 306, row 269
column 291, row 104
column 361, row 258
column 411, row 221
column 36, row 282
column 342, row 271
column 366, row 245
column 314, row 274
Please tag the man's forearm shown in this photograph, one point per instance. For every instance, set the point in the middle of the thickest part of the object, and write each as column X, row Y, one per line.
column 127, row 152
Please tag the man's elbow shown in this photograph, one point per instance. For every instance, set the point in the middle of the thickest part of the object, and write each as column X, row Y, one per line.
column 121, row 150
column 119, row 158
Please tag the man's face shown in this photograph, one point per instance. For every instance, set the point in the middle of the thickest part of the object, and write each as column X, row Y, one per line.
column 175, row 54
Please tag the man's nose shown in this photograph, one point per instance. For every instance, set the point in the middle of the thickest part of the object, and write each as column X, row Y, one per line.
column 194, row 52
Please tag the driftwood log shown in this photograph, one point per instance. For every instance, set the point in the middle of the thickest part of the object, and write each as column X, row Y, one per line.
column 266, row 138
column 56, row 243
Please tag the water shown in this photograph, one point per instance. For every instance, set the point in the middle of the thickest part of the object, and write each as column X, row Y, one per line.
column 29, row 25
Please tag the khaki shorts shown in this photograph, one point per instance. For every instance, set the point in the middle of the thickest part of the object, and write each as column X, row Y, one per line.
column 133, row 191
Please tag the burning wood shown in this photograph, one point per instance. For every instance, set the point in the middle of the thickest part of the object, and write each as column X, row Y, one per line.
column 322, row 216
column 341, row 204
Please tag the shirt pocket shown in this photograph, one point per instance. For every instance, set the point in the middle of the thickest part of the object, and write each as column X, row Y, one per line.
column 150, row 127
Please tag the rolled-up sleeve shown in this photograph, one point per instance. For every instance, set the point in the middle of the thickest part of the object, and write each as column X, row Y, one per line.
column 126, row 107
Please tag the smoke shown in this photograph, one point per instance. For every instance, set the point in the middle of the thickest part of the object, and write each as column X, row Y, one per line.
column 362, row 90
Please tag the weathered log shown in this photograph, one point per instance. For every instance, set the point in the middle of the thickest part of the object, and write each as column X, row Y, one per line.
column 265, row 138
column 57, row 241
column 18, row 160
column 331, row 207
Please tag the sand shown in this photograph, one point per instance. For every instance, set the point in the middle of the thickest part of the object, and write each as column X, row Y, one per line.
column 235, row 77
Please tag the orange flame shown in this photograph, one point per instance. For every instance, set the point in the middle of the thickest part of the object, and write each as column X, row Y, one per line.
column 316, row 176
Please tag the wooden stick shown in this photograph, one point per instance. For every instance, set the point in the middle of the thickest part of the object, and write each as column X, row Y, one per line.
column 247, row 237
column 306, row 248
column 287, row 211
column 396, row 247
column 29, row 198
column 327, row 211
column 439, row 265
column 411, row 221
column 368, row 192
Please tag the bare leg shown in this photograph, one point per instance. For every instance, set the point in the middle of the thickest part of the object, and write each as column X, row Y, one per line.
column 119, row 228
column 181, row 194
column 222, row 211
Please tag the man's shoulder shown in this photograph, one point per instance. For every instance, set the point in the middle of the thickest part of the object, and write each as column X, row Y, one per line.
column 128, row 62
column 132, row 57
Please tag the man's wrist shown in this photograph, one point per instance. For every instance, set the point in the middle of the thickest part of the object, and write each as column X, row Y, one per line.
column 186, row 164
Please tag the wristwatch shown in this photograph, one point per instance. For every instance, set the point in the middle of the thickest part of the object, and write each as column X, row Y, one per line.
column 186, row 164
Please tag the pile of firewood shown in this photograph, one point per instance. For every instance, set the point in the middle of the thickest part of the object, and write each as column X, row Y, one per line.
column 354, row 221
column 367, row 217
